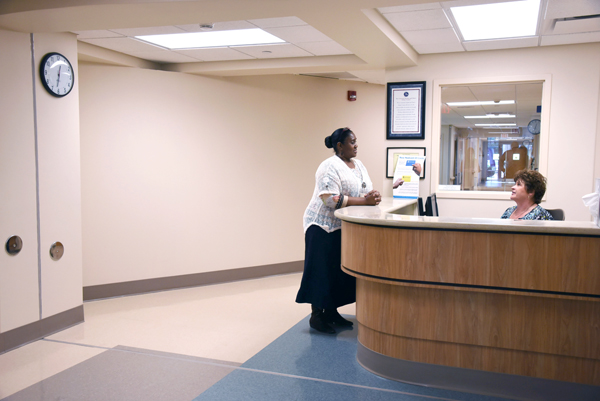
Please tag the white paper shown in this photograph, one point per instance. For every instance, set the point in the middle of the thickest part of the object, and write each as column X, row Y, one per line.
column 405, row 170
column 592, row 202
column 407, row 110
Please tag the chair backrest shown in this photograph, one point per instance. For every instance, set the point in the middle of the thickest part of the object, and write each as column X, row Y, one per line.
column 557, row 214
column 420, row 206
column 431, row 208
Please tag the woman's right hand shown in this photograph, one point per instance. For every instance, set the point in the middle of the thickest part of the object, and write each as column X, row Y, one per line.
column 373, row 198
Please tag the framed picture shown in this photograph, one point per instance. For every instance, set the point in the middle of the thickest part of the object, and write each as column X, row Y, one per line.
column 406, row 110
column 392, row 159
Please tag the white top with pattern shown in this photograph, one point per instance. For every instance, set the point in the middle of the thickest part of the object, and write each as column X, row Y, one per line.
column 335, row 177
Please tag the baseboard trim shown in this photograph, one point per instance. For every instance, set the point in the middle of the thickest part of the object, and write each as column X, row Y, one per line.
column 42, row 328
column 102, row 291
column 494, row 384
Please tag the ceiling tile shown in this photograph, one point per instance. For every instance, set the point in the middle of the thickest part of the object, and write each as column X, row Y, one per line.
column 418, row 20
column 124, row 45
column 498, row 92
column 157, row 30
column 277, row 22
column 329, row 48
column 164, row 56
column 514, row 43
column 431, row 36
column 298, row 34
column 215, row 54
column 97, row 34
column 218, row 26
column 273, row 51
column 457, row 94
column 589, row 37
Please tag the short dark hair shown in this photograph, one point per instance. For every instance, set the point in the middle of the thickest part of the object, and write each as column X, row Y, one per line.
column 534, row 182
column 339, row 135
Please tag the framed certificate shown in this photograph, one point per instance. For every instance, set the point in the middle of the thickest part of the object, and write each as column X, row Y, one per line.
column 406, row 110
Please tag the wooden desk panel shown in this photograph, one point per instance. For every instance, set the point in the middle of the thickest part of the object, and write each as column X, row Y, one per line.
column 568, row 264
column 533, row 310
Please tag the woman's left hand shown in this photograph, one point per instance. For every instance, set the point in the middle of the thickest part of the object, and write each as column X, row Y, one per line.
column 373, row 197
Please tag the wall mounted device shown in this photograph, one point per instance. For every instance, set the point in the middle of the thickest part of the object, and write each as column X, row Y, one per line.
column 14, row 245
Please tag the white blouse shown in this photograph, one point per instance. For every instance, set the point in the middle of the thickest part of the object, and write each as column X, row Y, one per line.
column 335, row 177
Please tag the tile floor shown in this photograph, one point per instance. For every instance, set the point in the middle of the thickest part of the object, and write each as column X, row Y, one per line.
column 245, row 340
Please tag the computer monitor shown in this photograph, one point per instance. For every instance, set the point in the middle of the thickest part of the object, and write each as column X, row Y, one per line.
column 420, row 206
column 431, row 208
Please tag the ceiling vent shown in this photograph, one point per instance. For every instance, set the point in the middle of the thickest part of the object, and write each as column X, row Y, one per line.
column 582, row 24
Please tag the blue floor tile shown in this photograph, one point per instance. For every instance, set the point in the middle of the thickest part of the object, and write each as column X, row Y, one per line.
column 303, row 364
column 243, row 385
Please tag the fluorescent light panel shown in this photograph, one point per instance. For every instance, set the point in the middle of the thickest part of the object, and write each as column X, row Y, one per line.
column 493, row 116
column 498, row 20
column 197, row 40
column 482, row 103
column 496, row 125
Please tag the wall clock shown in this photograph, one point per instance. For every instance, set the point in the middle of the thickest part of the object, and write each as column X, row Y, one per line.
column 56, row 74
column 534, row 126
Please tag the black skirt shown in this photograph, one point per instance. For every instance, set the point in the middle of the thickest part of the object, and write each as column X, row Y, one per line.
column 324, row 284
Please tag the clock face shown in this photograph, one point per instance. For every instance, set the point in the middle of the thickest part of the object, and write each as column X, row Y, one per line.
column 534, row 126
column 56, row 73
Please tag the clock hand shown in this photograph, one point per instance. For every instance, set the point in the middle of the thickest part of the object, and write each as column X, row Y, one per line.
column 58, row 80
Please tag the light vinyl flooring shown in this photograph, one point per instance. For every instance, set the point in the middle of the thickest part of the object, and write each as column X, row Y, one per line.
column 244, row 340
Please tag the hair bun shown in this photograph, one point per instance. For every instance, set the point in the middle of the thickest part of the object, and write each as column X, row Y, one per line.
column 328, row 142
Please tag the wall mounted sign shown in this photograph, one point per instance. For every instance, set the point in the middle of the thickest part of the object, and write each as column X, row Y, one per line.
column 406, row 110
column 392, row 159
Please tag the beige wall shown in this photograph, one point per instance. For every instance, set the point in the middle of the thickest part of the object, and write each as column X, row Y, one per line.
column 19, row 299
column 40, row 183
column 184, row 174
column 59, row 181
column 573, row 132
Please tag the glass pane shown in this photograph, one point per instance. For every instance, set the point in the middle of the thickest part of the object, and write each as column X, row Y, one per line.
column 488, row 133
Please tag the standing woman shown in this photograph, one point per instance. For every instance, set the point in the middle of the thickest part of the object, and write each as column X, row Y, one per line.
column 341, row 181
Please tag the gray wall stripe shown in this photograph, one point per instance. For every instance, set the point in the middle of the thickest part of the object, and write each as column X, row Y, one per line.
column 37, row 173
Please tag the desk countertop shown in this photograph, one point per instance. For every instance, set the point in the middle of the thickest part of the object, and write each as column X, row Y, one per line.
column 386, row 214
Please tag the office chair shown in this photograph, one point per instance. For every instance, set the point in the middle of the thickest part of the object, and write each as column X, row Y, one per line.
column 557, row 214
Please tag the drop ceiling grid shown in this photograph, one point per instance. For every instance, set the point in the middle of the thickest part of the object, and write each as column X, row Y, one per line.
column 303, row 41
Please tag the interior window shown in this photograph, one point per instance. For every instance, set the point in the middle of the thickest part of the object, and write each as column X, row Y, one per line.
column 488, row 133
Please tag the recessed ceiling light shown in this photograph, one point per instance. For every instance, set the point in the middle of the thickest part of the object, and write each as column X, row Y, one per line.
column 498, row 20
column 493, row 116
column 196, row 40
column 482, row 103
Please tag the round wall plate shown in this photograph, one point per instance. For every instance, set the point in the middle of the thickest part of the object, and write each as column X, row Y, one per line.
column 56, row 251
column 14, row 245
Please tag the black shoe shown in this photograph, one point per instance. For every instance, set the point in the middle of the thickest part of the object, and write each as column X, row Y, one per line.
column 318, row 323
column 333, row 317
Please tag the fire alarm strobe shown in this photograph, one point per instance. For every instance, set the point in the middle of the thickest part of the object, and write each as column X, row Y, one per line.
column 351, row 96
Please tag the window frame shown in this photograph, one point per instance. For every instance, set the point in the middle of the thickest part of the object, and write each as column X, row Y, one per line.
column 436, row 126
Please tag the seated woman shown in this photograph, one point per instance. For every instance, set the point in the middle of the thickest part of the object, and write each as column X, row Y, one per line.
column 529, row 188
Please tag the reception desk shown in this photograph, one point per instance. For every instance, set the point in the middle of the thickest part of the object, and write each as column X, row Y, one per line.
column 498, row 307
